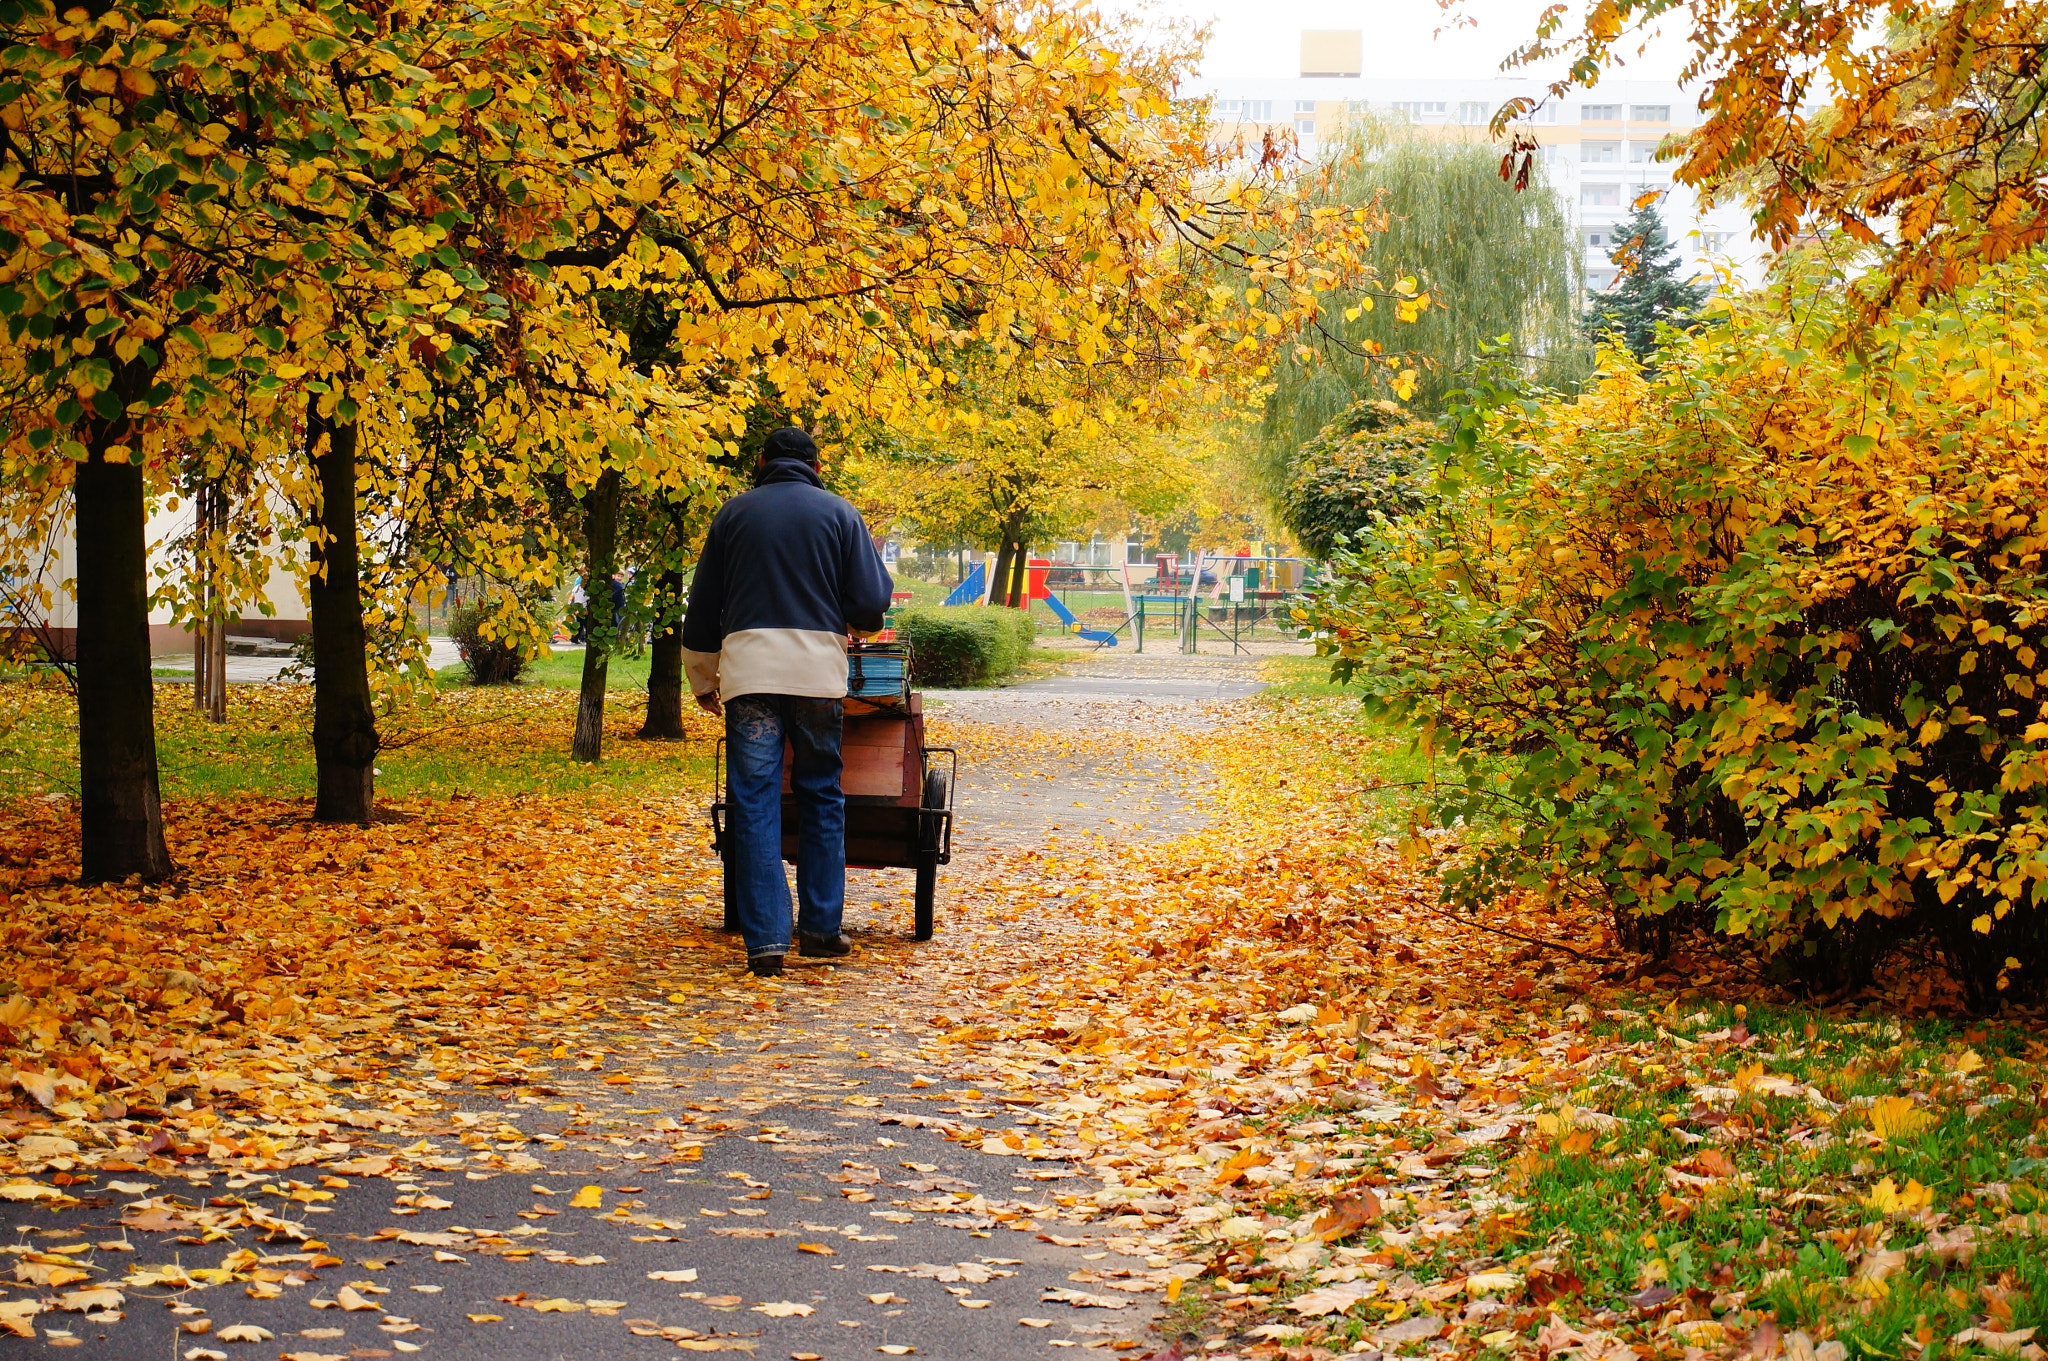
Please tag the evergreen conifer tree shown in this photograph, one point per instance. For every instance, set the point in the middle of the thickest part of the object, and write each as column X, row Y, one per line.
column 1650, row 289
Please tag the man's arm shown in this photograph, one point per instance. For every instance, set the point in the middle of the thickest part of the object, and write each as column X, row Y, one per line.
column 704, row 622
column 864, row 584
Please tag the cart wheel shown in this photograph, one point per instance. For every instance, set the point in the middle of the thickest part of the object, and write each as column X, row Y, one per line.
column 927, row 889
column 935, row 797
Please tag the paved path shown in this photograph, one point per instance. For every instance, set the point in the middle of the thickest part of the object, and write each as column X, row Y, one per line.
column 795, row 1161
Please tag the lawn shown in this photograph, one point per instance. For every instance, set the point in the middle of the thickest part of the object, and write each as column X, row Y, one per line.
column 456, row 739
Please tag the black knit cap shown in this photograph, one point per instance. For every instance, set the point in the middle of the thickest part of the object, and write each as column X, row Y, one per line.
column 790, row 442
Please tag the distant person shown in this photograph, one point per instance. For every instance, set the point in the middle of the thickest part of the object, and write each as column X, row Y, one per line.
column 788, row 572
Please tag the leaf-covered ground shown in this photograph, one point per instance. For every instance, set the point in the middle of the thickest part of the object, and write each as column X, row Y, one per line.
column 1252, row 1079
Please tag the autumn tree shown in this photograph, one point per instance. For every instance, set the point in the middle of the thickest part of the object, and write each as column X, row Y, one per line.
column 1020, row 459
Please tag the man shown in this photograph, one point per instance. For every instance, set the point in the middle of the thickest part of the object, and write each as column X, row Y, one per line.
column 788, row 571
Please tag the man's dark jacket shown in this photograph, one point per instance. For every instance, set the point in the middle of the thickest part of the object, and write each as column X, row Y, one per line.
column 788, row 569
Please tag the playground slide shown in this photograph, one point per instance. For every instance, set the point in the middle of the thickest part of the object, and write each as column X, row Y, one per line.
column 1066, row 617
column 968, row 592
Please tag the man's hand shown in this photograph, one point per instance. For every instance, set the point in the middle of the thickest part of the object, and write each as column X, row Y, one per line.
column 708, row 702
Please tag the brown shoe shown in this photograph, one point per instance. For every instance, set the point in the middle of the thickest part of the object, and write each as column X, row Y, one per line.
column 824, row 947
column 765, row 966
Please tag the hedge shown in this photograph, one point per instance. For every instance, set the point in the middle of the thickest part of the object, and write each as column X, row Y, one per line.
column 958, row 645
column 1756, row 645
column 499, row 638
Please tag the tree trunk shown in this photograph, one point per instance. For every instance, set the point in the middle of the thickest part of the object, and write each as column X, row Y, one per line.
column 121, row 824
column 999, row 571
column 210, row 642
column 344, row 720
column 1020, row 579
column 665, row 667
column 600, row 538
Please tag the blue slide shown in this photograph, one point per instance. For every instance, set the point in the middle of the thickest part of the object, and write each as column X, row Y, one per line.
column 968, row 592
column 1066, row 617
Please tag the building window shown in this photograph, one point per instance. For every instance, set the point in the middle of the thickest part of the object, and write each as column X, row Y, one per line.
column 1302, row 106
column 1598, row 238
column 1419, row 109
column 1473, row 111
column 1600, row 280
column 1600, row 153
column 1716, row 242
column 1640, row 152
column 1305, row 127
column 1649, row 113
column 1600, row 195
column 1599, row 113
column 1244, row 110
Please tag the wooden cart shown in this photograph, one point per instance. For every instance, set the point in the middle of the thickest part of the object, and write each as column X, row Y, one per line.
column 899, row 798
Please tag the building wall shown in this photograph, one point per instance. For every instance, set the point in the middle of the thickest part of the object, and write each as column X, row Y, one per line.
column 288, row 620
column 1596, row 148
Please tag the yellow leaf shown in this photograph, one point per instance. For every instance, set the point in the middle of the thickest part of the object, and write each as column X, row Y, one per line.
column 589, row 1198
column 818, row 1248
column 556, row 1306
column 1887, row 1198
column 1896, row 1117
column 486, row 1318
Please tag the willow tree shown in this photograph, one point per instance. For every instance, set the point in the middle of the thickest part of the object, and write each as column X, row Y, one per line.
column 1486, row 261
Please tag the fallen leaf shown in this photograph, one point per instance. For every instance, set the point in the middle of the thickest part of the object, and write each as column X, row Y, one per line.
column 556, row 1306
column 1896, row 1117
column 244, row 1332
column 785, row 1309
column 589, row 1198
column 895, row 1349
column 819, row 1248
column 1081, row 1299
column 685, row 1276
column 1346, row 1215
column 348, row 1299
column 1332, row 1299
column 15, row 1316
column 486, row 1318
column 52, row 1274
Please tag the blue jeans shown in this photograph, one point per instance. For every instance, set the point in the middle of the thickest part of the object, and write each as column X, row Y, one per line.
column 756, row 727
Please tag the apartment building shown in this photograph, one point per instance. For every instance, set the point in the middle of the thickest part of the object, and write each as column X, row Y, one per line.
column 1598, row 147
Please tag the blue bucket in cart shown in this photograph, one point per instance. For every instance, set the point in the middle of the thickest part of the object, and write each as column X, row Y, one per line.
column 879, row 673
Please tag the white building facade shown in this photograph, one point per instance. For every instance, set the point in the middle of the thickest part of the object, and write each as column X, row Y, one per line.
column 1598, row 147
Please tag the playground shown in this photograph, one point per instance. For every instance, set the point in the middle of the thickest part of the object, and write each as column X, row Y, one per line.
column 1186, row 605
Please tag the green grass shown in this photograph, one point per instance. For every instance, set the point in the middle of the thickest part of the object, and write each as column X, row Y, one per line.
column 1796, row 1209
column 1291, row 678
column 564, row 671
column 461, row 740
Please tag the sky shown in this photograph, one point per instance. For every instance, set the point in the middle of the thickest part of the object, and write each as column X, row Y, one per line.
column 1402, row 37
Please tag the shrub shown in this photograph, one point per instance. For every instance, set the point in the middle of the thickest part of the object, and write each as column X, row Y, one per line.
column 1370, row 461
column 498, row 638
column 965, row 644
column 1756, row 646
